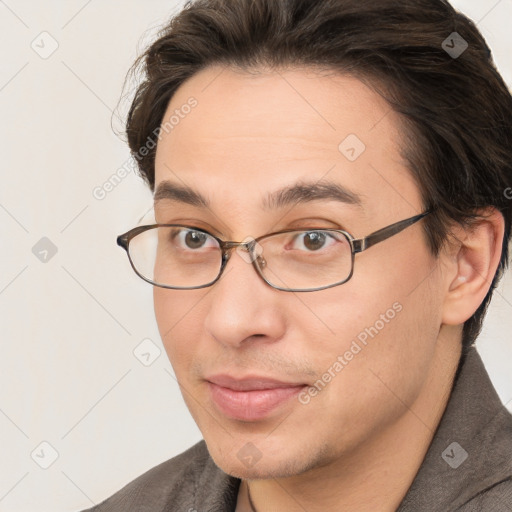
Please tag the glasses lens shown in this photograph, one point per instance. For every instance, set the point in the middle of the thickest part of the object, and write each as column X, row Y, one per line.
column 176, row 256
column 306, row 260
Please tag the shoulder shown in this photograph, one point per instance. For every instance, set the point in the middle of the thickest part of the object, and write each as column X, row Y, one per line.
column 497, row 498
column 468, row 466
column 178, row 482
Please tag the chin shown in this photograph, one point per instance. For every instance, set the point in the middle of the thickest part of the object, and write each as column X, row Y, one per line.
column 259, row 471
column 250, row 463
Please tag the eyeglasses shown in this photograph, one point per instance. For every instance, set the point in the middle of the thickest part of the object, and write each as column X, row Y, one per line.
column 183, row 257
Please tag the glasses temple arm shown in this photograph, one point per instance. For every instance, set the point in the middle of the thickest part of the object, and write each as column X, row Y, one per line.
column 362, row 244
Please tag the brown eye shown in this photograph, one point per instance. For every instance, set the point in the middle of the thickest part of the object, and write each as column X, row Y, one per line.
column 314, row 240
column 194, row 239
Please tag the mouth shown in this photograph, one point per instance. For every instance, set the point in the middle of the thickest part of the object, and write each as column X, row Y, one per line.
column 251, row 398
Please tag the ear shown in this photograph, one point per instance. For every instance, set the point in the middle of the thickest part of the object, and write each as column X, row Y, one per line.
column 472, row 261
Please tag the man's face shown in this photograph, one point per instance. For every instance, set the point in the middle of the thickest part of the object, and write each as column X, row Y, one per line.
column 251, row 135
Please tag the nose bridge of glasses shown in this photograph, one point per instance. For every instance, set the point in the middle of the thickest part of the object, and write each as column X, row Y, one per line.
column 233, row 245
column 251, row 251
column 247, row 245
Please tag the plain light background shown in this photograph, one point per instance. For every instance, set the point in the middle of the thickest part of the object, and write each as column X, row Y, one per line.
column 72, row 319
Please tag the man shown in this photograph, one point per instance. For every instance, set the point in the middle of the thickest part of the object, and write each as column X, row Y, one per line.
column 331, row 219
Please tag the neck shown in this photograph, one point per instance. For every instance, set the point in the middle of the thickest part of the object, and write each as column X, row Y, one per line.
column 375, row 476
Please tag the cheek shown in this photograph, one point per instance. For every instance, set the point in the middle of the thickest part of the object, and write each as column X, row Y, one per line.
column 379, row 324
column 178, row 318
column 162, row 300
column 370, row 369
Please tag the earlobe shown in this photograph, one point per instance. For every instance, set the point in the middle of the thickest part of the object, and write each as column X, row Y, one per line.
column 475, row 264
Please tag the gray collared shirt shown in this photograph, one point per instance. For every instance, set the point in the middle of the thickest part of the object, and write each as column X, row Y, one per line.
column 468, row 466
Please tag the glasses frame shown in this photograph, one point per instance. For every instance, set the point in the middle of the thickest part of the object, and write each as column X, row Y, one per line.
column 357, row 245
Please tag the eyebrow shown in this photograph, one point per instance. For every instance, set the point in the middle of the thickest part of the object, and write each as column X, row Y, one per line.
column 180, row 193
column 304, row 192
column 301, row 192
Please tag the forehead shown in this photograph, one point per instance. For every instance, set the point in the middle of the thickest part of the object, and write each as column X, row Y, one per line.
column 250, row 133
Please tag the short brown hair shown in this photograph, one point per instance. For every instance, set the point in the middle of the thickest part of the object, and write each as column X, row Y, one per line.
column 457, row 110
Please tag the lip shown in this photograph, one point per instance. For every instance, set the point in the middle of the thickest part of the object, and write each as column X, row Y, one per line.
column 250, row 398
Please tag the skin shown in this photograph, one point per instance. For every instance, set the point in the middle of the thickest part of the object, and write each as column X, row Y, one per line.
column 358, row 444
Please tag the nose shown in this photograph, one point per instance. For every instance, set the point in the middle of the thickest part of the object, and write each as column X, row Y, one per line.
column 243, row 307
